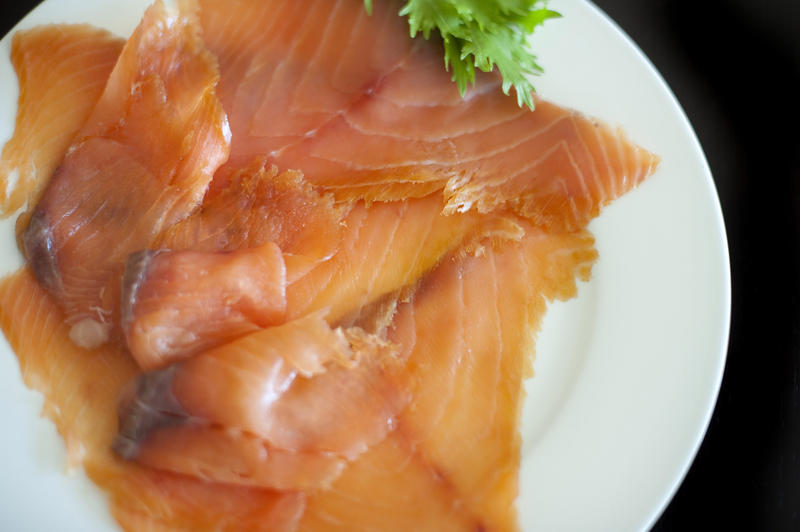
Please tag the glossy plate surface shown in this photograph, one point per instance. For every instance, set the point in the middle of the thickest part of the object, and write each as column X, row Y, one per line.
column 627, row 374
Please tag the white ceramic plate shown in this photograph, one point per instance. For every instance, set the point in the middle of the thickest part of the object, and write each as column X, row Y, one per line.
column 627, row 373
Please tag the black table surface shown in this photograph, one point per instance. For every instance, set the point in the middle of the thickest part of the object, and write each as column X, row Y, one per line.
column 735, row 67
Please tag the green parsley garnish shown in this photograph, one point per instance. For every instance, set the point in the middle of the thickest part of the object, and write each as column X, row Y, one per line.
column 482, row 34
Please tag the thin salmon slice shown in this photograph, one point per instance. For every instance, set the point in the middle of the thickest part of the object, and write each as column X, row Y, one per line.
column 140, row 163
column 467, row 367
column 399, row 128
column 177, row 303
column 62, row 70
column 249, row 411
column 80, row 387
column 467, row 338
column 388, row 246
column 265, row 49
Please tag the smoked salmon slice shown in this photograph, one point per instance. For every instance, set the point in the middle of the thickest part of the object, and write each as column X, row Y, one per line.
column 467, row 373
column 288, row 404
column 367, row 113
column 157, row 134
column 177, row 303
column 265, row 49
column 452, row 462
column 80, row 388
column 388, row 246
column 62, row 70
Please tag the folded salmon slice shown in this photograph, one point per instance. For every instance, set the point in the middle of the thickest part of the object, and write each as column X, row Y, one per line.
column 467, row 339
column 140, row 163
column 280, row 408
column 62, row 70
column 367, row 113
column 80, row 387
column 377, row 250
column 177, row 303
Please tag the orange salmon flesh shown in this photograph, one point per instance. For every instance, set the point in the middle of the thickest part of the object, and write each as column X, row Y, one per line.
column 280, row 275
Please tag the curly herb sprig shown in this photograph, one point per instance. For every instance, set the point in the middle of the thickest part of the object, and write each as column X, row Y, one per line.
column 482, row 34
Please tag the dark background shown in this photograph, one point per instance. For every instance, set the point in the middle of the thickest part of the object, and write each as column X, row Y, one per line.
column 735, row 67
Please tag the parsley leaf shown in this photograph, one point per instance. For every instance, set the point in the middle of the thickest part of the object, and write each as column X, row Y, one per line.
column 482, row 34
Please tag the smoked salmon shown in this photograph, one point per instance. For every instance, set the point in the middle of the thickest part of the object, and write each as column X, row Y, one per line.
column 290, row 403
column 379, row 250
column 62, row 70
column 284, row 277
column 157, row 134
column 452, row 461
column 81, row 387
column 259, row 205
column 366, row 112
column 176, row 303
column 388, row 246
